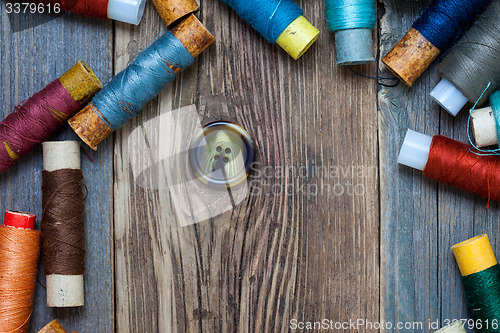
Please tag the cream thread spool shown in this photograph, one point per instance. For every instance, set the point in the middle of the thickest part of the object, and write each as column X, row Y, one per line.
column 63, row 290
column 484, row 127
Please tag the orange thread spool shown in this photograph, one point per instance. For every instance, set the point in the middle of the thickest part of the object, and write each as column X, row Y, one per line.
column 19, row 254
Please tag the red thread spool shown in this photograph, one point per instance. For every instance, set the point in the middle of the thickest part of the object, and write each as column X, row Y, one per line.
column 452, row 162
column 19, row 220
column 19, row 254
column 128, row 11
column 42, row 115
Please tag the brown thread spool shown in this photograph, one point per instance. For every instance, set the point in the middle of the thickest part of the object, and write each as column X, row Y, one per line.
column 19, row 254
column 173, row 10
column 92, row 129
column 62, row 224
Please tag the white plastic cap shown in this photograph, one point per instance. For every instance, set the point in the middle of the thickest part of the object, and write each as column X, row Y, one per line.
column 415, row 150
column 449, row 97
column 128, row 11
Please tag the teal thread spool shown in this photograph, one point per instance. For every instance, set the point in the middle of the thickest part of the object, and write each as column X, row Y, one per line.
column 481, row 280
column 352, row 22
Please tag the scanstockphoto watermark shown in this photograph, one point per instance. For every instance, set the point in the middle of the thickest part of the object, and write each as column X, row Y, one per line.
column 310, row 180
column 23, row 14
column 400, row 326
column 354, row 325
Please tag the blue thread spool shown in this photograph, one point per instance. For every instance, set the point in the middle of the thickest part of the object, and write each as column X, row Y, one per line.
column 129, row 91
column 352, row 22
column 278, row 21
column 440, row 26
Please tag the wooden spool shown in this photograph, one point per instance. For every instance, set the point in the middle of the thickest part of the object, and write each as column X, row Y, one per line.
column 53, row 327
column 411, row 56
column 87, row 123
column 173, row 10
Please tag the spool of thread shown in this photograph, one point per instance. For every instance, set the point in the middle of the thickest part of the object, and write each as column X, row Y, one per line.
column 43, row 114
column 433, row 33
column 451, row 162
column 63, row 224
column 128, row 11
column 472, row 65
column 278, row 21
column 352, row 22
column 481, row 280
column 128, row 92
column 53, row 327
column 19, row 253
column 486, row 123
column 173, row 10
column 455, row 327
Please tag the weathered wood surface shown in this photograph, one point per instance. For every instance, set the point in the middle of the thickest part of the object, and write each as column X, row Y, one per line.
column 274, row 257
column 29, row 60
column 420, row 219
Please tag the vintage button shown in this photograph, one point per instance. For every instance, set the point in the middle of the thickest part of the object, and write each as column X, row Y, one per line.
column 221, row 154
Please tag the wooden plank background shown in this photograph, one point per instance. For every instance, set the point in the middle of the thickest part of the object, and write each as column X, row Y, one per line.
column 421, row 219
column 33, row 55
column 378, row 251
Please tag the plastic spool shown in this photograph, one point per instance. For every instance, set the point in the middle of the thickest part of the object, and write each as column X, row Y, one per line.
column 449, row 97
column 63, row 290
column 415, row 150
column 474, row 255
column 298, row 37
column 354, row 46
column 221, row 154
column 19, row 220
column 128, row 11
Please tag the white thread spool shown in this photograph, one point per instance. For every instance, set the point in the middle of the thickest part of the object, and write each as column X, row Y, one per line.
column 415, row 150
column 63, row 290
column 128, row 11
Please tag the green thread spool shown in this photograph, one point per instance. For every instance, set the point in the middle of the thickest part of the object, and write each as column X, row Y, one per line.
column 481, row 280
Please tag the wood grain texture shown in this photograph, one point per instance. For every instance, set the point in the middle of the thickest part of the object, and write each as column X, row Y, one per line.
column 420, row 219
column 29, row 60
column 274, row 257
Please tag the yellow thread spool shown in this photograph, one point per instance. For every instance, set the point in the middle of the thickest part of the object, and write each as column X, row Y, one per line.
column 298, row 37
column 474, row 255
